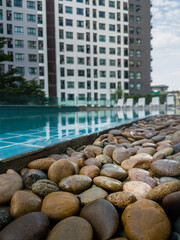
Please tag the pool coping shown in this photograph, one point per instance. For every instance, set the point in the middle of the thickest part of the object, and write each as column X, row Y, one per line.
column 20, row 161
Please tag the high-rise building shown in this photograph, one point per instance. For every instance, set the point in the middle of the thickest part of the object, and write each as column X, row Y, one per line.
column 79, row 49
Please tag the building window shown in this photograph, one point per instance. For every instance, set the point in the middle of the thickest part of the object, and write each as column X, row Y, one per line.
column 111, row 15
column 80, row 23
column 125, row 74
column 131, row 30
column 112, row 74
column 80, row 36
column 32, row 71
column 131, row 85
column 111, row 27
column 69, row 10
column 138, row 86
column 131, row 63
column 81, row 73
column 102, row 26
column 40, row 32
column 31, row 4
column 69, row 22
column 81, row 61
column 101, row 14
column 9, row 15
column 18, row 30
column 70, row 97
column 31, row 31
column 138, row 30
column 61, row 8
column 131, row 52
column 102, row 74
column 81, row 84
column 21, row 70
column 17, row 3
column 31, row 44
column 112, row 51
column 19, row 57
column 31, row 18
column 103, row 97
column 60, row 21
column 40, row 45
column 40, row 19
column 131, row 18
column 69, row 48
column 101, row 2
column 80, row 11
column 32, row 58
column 126, row 86
column 138, row 41
column 131, row 75
column 102, row 85
column 112, row 62
column 138, row 19
column 70, row 60
column 102, row 38
column 41, row 58
column 138, row 53
column 112, row 85
column 80, row 48
column 70, row 84
column 79, row 1
column 102, row 50
column 69, row 35
column 18, row 16
column 61, row 34
column 112, row 4
column 138, row 75
column 19, row 43
column 39, row 6
column 81, row 97
column 102, row 62
column 131, row 7
column 70, row 72
column 61, row 59
column 138, row 8
column 112, row 39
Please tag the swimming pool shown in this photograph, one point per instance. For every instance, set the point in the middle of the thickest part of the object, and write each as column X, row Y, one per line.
column 29, row 131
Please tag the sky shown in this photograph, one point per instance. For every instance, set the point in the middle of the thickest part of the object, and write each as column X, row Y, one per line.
column 166, row 43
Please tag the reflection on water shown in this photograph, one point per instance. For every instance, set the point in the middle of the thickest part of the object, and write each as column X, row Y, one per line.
column 28, row 132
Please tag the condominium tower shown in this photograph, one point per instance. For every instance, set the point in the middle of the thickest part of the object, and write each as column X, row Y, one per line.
column 79, row 49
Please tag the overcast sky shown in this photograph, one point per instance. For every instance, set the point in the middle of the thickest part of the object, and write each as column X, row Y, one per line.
column 166, row 43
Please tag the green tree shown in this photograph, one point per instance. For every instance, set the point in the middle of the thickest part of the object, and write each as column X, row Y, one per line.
column 13, row 84
column 117, row 94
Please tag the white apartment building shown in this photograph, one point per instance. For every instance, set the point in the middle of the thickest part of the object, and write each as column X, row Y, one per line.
column 78, row 50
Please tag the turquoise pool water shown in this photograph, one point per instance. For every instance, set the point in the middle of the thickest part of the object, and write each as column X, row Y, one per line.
column 28, row 131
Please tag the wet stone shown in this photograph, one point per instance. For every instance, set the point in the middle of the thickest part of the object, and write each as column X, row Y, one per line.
column 176, row 148
column 120, row 154
column 5, row 217
column 169, row 179
column 158, row 138
column 93, row 161
column 166, row 151
column 72, row 228
column 92, row 194
column 44, row 187
column 168, row 168
column 41, row 164
column 175, row 138
column 108, row 150
column 115, row 132
column 92, row 151
column 32, row 176
column 30, row 226
column 108, row 183
column 103, row 217
column 121, row 199
column 104, row 158
column 90, row 171
column 149, row 150
column 75, row 183
column 116, row 173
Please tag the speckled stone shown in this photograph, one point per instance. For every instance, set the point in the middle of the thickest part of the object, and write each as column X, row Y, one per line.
column 121, row 199
column 116, row 173
column 168, row 168
column 44, row 187
column 166, row 151
column 159, row 192
column 92, row 194
column 5, row 217
column 90, row 171
column 32, row 176
column 104, row 158
column 108, row 150
column 120, row 154
column 92, row 151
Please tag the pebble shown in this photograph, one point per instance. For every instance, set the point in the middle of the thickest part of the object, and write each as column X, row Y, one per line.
column 159, row 192
column 112, row 172
column 168, row 179
column 176, row 148
column 104, row 158
column 108, row 150
column 75, row 183
column 31, row 226
column 92, row 194
column 148, row 144
column 108, row 183
column 92, row 151
column 135, row 173
column 120, row 154
column 175, row 138
column 165, row 168
column 90, row 171
column 145, row 219
column 171, row 204
column 72, row 228
column 103, row 217
column 158, row 138
column 60, row 205
column 41, row 164
column 166, row 151
column 149, row 150
column 138, row 188
column 32, row 176
column 135, row 163
column 121, row 199
column 23, row 202
column 9, row 184
column 44, row 187
column 60, row 169
column 5, row 217
column 93, row 161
